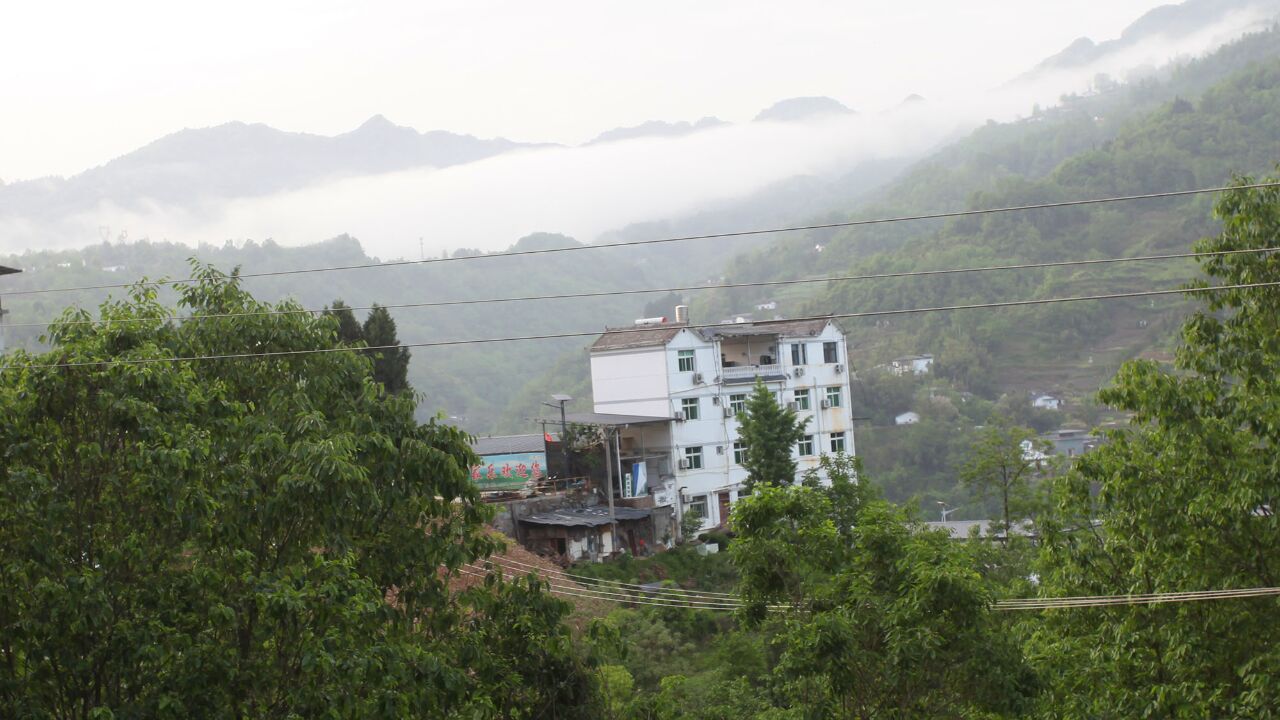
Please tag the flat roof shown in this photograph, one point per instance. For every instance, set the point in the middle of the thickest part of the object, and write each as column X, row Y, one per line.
column 594, row 516
column 612, row 420
column 509, row 444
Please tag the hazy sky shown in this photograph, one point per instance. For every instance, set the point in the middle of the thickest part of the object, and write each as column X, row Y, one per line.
column 84, row 82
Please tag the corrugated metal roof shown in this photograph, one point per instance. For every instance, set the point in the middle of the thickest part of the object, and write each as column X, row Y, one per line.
column 621, row 338
column 585, row 517
column 509, row 444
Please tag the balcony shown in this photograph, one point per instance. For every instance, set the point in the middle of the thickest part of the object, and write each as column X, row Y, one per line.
column 748, row 373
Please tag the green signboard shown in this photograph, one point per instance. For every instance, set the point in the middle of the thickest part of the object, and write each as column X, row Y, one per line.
column 510, row 471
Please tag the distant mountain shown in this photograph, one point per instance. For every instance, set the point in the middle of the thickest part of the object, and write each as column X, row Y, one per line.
column 236, row 159
column 1164, row 23
column 656, row 128
column 802, row 108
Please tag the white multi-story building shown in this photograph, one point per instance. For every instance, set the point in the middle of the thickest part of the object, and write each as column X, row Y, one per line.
column 701, row 377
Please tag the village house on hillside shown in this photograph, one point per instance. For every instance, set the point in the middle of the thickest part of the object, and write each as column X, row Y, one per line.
column 682, row 388
column 911, row 365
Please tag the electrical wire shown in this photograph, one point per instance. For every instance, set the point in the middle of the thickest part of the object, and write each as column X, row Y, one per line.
column 591, row 333
column 682, row 238
column 612, row 597
column 585, row 579
column 1139, row 599
column 684, row 288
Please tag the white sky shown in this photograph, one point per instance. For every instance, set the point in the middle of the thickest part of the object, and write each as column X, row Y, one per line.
column 82, row 82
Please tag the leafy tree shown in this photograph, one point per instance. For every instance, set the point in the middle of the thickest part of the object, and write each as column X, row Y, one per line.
column 349, row 330
column 770, row 432
column 391, row 364
column 259, row 537
column 884, row 619
column 999, row 464
column 1184, row 499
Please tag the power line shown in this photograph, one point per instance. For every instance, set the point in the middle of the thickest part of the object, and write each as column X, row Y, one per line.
column 685, row 288
column 555, row 336
column 613, row 597
column 682, row 238
column 585, row 579
column 1139, row 599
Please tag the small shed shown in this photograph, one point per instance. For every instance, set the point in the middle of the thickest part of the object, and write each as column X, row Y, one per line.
column 587, row 533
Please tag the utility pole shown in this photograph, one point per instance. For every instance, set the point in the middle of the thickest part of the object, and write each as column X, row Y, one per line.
column 608, row 462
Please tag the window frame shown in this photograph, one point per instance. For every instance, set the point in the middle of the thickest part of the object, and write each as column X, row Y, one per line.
column 694, row 502
column 806, row 443
column 835, row 396
column 738, row 406
column 691, row 408
column 830, row 352
column 691, row 356
column 842, row 437
column 799, row 354
column 802, row 404
column 693, row 457
column 739, row 452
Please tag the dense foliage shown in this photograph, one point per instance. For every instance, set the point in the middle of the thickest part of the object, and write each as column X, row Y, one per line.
column 769, row 430
column 252, row 537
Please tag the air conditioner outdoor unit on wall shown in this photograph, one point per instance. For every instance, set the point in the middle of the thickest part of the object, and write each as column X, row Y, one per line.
column 793, row 406
column 697, row 378
column 799, row 372
column 826, row 404
column 839, row 368
column 683, row 464
column 728, row 412
column 679, row 416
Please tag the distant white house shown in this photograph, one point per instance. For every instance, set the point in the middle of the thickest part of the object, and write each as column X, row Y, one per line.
column 911, row 365
column 907, row 418
column 1046, row 402
column 1030, row 453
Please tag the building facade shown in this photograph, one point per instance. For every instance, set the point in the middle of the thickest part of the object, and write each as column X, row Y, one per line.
column 701, row 377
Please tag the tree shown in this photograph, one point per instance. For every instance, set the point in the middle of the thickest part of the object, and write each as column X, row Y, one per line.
column 1183, row 499
column 251, row 537
column 770, row 432
column 390, row 364
column 1003, row 461
column 349, row 330
column 885, row 619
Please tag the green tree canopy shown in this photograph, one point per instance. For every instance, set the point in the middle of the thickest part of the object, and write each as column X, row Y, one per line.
column 882, row 618
column 253, row 537
column 770, row 432
column 1003, row 462
column 349, row 330
column 1184, row 499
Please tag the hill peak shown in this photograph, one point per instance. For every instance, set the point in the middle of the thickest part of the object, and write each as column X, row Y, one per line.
column 802, row 108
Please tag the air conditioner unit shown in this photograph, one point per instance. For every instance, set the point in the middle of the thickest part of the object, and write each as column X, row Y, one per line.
column 728, row 412
column 799, row 372
column 683, row 464
column 793, row 406
column 826, row 404
column 679, row 416
column 697, row 378
column 715, row 399
column 839, row 368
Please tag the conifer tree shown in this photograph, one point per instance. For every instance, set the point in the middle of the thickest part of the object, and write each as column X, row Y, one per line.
column 390, row 366
column 769, row 430
column 349, row 330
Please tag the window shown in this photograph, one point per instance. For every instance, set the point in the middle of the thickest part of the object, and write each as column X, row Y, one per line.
column 689, row 406
column 837, row 442
column 697, row 504
column 805, row 446
column 830, row 352
column 798, row 355
column 739, row 452
column 693, row 458
column 833, row 396
column 738, row 403
column 685, row 360
column 801, row 398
